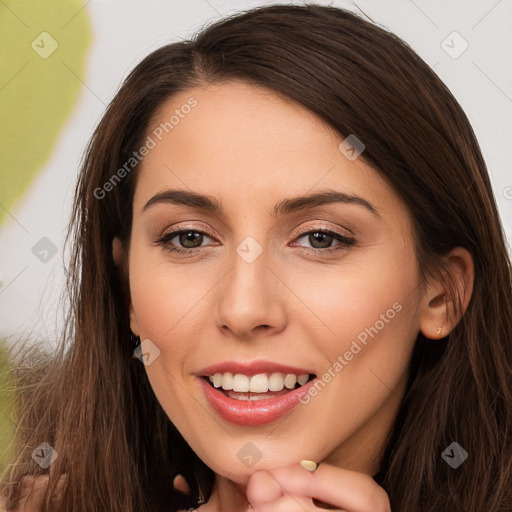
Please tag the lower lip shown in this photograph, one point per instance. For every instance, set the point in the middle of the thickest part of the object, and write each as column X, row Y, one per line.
column 255, row 412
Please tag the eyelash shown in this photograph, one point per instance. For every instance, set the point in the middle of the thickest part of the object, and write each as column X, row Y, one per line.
column 345, row 241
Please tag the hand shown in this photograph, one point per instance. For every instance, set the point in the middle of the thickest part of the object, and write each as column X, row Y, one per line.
column 294, row 489
column 33, row 491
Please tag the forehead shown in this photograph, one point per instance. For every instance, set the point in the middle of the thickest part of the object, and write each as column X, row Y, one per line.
column 235, row 120
column 248, row 144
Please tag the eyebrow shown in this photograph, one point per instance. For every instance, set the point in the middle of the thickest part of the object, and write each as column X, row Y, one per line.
column 286, row 206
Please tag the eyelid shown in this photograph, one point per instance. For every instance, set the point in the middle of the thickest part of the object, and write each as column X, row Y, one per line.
column 178, row 229
column 206, row 231
column 317, row 227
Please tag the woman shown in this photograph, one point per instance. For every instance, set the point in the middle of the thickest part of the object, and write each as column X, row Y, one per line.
column 298, row 233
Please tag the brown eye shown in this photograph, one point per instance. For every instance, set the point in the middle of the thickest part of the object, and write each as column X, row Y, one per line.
column 190, row 239
column 321, row 240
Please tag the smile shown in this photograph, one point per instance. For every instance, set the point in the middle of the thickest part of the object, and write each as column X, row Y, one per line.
column 254, row 408
column 256, row 387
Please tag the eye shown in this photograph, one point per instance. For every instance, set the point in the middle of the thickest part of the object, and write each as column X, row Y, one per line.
column 321, row 239
column 189, row 238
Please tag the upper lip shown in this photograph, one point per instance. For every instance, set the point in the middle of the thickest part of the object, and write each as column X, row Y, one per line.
column 252, row 368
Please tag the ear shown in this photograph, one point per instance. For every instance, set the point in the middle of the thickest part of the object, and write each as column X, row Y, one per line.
column 441, row 311
column 120, row 259
column 118, row 252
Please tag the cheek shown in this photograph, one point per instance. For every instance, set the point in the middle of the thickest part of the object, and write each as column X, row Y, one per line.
column 373, row 292
column 167, row 303
column 369, row 312
column 164, row 296
column 365, row 327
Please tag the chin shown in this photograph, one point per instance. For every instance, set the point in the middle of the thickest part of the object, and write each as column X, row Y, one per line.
column 247, row 459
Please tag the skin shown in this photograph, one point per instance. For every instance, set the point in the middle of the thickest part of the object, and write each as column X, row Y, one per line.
column 250, row 148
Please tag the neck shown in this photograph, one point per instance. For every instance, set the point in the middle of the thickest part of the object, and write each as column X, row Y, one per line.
column 227, row 496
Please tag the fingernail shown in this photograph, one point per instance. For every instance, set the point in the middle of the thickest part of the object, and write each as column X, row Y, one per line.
column 309, row 465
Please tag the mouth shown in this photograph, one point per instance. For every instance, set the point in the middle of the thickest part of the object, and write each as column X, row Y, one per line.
column 255, row 400
column 262, row 386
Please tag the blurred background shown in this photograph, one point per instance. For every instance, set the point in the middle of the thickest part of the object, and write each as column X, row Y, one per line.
column 61, row 63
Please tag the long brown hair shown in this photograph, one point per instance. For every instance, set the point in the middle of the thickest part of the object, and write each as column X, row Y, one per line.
column 92, row 401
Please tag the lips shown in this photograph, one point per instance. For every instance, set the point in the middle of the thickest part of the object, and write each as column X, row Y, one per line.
column 253, row 413
column 252, row 368
column 248, row 408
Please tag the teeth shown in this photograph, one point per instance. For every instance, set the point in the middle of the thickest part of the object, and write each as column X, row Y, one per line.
column 260, row 383
column 217, row 380
column 276, row 382
column 302, row 379
column 227, row 381
column 241, row 383
column 290, row 380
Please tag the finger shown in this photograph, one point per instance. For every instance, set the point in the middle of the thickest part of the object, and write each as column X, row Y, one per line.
column 180, row 484
column 59, row 490
column 33, row 490
column 347, row 489
column 262, row 487
column 342, row 488
column 287, row 503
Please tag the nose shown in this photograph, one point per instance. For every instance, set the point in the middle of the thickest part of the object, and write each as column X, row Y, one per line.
column 249, row 299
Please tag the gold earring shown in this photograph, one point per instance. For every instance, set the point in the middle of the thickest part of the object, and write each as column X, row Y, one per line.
column 439, row 330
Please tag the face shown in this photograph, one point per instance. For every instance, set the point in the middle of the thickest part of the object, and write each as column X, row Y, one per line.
column 268, row 289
